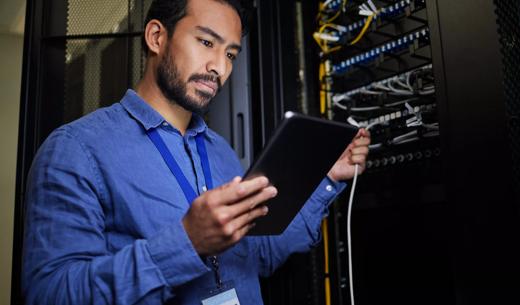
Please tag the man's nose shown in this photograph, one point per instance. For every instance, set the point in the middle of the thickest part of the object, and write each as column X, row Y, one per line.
column 217, row 65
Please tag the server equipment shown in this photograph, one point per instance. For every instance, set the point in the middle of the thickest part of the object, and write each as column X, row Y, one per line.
column 435, row 214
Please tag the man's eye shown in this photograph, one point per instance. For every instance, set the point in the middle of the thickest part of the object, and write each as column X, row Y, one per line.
column 231, row 56
column 206, row 43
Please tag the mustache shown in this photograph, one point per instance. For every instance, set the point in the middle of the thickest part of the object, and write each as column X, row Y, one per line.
column 206, row 78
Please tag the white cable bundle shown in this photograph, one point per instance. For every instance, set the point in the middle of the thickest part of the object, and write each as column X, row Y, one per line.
column 369, row 10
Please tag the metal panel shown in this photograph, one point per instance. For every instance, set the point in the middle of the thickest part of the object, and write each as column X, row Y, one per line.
column 33, row 123
column 230, row 111
column 474, row 135
column 508, row 13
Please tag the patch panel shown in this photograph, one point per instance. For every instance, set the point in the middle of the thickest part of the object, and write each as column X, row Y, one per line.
column 334, row 4
column 396, row 115
column 401, row 7
column 378, row 84
column 394, row 46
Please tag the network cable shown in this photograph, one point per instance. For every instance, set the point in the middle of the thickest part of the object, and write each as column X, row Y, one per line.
column 335, row 16
column 386, row 86
column 349, row 234
column 335, row 35
column 349, row 229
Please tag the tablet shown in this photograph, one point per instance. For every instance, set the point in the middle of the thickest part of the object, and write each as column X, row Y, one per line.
column 297, row 157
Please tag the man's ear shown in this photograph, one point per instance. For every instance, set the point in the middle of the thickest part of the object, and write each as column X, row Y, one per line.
column 155, row 35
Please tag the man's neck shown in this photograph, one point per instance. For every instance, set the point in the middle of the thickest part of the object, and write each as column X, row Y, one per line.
column 174, row 114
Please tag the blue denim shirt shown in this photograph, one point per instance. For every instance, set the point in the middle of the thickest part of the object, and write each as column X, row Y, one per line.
column 103, row 219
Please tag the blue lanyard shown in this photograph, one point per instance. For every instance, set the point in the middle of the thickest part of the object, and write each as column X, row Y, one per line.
column 174, row 167
column 188, row 191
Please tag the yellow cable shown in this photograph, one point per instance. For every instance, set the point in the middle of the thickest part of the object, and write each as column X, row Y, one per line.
column 336, row 48
column 324, row 227
column 363, row 30
column 324, row 26
column 327, row 291
column 323, row 44
column 323, row 108
column 325, row 230
column 320, row 8
column 318, row 41
column 326, row 243
column 335, row 15
column 322, row 92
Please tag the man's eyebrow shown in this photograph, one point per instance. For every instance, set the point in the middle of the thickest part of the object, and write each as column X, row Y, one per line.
column 218, row 37
column 211, row 33
column 235, row 46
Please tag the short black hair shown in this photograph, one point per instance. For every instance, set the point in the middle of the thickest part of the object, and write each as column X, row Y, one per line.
column 169, row 12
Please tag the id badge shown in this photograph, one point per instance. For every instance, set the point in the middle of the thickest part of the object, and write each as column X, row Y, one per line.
column 226, row 295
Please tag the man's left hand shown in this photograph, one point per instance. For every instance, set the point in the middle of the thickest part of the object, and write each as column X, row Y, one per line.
column 355, row 153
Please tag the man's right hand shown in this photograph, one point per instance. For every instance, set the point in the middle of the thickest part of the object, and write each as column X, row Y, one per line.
column 219, row 218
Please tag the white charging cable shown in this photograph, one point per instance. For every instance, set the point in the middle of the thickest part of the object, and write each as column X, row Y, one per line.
column 349, row 218
column 349, row 237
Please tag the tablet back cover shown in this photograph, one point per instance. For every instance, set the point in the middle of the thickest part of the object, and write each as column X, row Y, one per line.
column 296, row 158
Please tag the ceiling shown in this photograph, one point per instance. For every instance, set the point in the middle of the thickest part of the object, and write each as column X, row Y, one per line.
column 12, row 16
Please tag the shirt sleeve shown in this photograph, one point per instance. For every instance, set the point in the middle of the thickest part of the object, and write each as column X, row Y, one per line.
column 66, row 260
column 304, row 231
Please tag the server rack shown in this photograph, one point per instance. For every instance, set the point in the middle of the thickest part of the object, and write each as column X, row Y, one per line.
column 380, row 75
column 436, row 214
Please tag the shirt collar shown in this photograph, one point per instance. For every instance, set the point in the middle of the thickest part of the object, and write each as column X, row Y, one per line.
column 149, row 118
column 197, row 124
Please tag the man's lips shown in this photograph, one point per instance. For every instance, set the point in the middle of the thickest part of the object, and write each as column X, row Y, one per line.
column 212, row 86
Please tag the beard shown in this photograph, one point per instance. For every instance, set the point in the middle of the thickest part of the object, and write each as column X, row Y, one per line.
column 174, row 89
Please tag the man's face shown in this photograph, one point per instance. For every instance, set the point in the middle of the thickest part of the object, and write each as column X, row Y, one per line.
column 199, row 56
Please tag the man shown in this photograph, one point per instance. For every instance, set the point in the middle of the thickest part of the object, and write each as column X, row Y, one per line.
column 118, row 206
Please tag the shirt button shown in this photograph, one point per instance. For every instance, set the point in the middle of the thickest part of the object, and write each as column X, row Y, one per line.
column 329, row 188
column 165, row 124
column 204, row 188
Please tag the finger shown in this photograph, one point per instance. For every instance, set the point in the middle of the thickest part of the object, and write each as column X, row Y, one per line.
column 231, row 183
column 364, row 133
column 236, row 180
column 361, row 141
column 251, row 202
column 358, row 159
column 246, row 219
column 212, row 197
column 361, row 150
column 249, row 187
column 360, row 133
column 236, row 191
column 346, row 152
column 240, row 233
